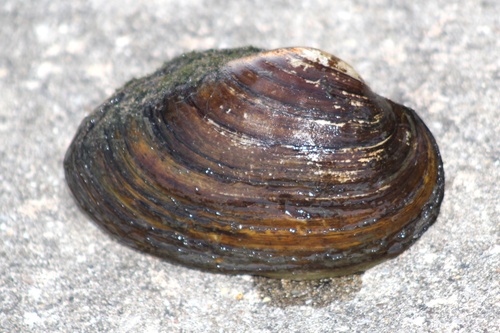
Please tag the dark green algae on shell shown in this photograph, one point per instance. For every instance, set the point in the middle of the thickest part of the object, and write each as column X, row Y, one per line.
column 278, row 163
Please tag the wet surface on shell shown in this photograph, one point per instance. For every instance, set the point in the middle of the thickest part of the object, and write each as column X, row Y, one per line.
column 280, row 163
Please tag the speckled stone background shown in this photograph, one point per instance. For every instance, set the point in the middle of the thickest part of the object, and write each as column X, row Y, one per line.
column 60, row 59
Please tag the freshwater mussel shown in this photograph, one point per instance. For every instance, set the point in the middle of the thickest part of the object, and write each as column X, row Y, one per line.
column 278, row 163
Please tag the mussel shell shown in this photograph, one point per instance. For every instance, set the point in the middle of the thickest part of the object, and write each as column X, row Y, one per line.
column 279, row 163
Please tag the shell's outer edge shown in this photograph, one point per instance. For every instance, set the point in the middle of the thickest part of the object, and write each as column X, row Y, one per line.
column 186, row 164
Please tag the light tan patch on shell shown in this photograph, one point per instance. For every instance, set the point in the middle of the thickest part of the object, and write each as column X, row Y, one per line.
column 325, row 59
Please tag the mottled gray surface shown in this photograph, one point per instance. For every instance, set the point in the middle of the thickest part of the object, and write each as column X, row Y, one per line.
column 60, row 59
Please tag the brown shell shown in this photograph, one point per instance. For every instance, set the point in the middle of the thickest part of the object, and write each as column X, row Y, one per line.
column 279, row 163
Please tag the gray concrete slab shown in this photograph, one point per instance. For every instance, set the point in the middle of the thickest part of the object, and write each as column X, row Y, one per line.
column 60, row 59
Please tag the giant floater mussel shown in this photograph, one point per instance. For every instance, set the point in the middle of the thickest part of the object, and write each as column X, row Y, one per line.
column 277, row 163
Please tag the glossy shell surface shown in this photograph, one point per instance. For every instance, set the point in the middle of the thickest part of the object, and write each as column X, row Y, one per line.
column 279, row 163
